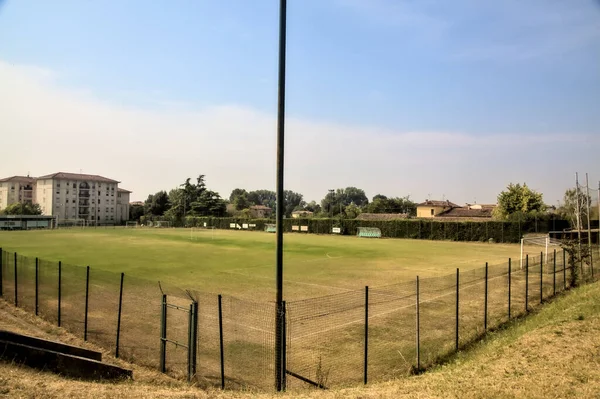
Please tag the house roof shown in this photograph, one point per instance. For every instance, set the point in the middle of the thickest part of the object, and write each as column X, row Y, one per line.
column 464, row 212
column 23, row 179
column 381, row 216
column 122, row 190
column 136, row 203
column 439, row 203
column 77, row 176
column 301, row 212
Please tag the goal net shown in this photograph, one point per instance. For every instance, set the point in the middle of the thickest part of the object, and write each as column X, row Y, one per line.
column 71, row 223
column 129, row 225
column 544, row 242
column 270, row 228
column 197, row 232
column 369, row 232
column 161, row 224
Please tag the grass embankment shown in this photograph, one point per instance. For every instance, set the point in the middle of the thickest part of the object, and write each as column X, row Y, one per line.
column 554, row 353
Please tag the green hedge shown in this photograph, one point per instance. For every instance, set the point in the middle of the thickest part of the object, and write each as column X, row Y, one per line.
column 423, row 229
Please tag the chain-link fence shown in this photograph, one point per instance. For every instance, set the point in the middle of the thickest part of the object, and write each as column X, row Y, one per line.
column 359, row 336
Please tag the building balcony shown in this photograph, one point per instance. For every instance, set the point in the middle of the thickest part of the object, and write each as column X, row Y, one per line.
column 84, row 194
column 84, row 203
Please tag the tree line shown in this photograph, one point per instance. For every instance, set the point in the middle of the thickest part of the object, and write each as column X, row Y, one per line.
column 516, row 202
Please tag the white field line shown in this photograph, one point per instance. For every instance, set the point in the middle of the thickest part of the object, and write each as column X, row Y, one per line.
column 385, row 313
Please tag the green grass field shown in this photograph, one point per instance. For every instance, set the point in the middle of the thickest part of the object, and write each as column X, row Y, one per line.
column 242, row 263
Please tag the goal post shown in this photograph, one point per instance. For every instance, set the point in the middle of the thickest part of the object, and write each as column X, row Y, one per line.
column 542, row 241
column 368, row 232
column 161, row 224
column 131, row 224
column 71, row 223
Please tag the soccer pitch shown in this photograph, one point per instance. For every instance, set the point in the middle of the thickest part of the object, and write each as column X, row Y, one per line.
column 242, row 263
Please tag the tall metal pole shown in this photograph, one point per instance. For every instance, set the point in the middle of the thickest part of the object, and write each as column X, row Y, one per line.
column 279, row 211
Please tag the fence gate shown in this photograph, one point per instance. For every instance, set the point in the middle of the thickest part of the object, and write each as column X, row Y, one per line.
column 176, row 315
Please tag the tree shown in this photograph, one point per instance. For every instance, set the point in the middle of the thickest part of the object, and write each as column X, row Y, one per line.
column 262, row 197
column 157, row 204
column 25, row 208
column 383, row 204
column 136, row 212
column 191, row 199
column 334, row 203
column 313, row 207
column 568, row 209
column 352, row 211
column 518, row 200
column 293, row 202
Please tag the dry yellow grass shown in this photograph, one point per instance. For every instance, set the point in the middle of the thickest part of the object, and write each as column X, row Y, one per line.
column 553, row 354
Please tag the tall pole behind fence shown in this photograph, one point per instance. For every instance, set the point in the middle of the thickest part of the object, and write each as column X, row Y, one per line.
column 418, row 343
column 279, row 211
column 456, row 343
column 564, row 269
column 119, row 315
column 366, row 353
column 87, row 294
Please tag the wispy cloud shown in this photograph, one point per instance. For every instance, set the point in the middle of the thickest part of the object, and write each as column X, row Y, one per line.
column 509, row 30
column 49, row 128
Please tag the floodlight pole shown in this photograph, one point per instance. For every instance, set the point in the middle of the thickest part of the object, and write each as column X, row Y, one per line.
column 279, row 338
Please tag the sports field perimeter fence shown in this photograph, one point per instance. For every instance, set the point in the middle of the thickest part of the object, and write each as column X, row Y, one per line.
column 367, row 335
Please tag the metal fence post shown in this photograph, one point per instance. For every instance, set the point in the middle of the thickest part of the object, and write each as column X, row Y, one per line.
column 189, row 343
column 564, row 270
column 119, row 316
column 194, row 337
column 541, row 277
column 509, row 284
column 221, row 343
column 283, row 346
column 163, row 335
column 1, row 272
column 87, row 295
column 418, row 327
column 457, row 305
column 59, row 289
column 554, row 275
column 37, row 281
column 526, row 283
column 366, row 354
column 16, row 283
column 485, row 313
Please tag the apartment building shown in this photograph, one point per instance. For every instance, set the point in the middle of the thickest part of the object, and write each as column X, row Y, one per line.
column 16, row 189
column 96, row 199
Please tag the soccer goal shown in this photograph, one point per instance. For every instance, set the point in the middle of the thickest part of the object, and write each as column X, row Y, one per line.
column 161, row 224
column 542, row 241
column 271, row 228
column 196, row 232
column 369, row 232
column 71, row 223
column 130, row 225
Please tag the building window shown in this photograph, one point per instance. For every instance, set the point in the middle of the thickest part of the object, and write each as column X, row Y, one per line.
column 74, row 185
column 98, row 200
column 432, row 212
column 57, row 184
column 106, row 209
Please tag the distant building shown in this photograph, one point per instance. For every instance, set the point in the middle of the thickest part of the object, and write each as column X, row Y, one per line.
column 93, row 198
column 16, row 189
column 302, row 214
column 260, row 211
column 432, row 208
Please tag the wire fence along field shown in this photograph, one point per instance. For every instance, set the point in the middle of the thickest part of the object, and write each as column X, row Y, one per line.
column 371, row 334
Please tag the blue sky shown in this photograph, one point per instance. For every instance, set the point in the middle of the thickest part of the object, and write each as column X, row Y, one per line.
column 439, row 98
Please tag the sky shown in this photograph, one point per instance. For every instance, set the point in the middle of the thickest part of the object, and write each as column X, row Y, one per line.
column 432, row 99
